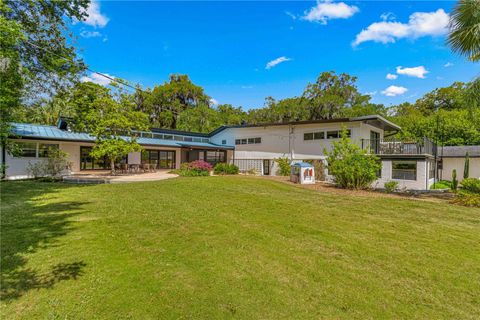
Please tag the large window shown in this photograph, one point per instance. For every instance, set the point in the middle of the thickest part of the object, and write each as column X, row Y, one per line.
column 335, row 134
column 256, row 140
column 314, row 135
column 214, row 157
column 27, row 149
column 404, row 170
column 163, row 159
column 87, row 162
column 44, row 147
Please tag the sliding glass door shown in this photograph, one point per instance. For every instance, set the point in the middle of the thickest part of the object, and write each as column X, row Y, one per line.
column 163, row 159
column 87, row 162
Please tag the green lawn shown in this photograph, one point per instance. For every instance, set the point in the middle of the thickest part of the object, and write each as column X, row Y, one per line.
column 242, row 247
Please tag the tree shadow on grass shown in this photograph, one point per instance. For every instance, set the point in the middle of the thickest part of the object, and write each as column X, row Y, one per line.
column 33, row 217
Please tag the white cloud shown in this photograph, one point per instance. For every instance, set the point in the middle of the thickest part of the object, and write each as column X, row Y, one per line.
column 275, row 62
column 393, row 91
column 391, row 76
column 448, row 64
column 213, row 102
column 90, row 34
column 420, row 24
column 327, row 10
column 371, row 93
column 416, row 72
column 98, row 79
column 95, row 18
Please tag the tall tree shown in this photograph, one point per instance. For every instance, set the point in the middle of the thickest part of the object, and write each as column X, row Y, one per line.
column 33, row 38
column 201, row 118
column 111, row 120
column 230, row 115
column 464, row 37
column 447, row 98
column 167, row 101
column 328, row 97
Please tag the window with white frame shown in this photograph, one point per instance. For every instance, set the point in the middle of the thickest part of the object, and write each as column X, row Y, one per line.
column 313, row 135
column 256, row 140
column 404, row 170
column 26, row 149
column 336, row 134
column 43, row 149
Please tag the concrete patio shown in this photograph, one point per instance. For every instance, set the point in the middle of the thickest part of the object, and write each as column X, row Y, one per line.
column 105, row 176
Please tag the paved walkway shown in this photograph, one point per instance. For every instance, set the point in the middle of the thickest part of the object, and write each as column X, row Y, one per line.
column 107, row 177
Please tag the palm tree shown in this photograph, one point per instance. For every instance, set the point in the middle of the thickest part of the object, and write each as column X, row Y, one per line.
column 464, row 37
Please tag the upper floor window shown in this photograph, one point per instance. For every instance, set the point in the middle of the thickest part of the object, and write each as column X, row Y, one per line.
column 248, row 141
column 224, row 141
column 335, row 134
column 314, row 135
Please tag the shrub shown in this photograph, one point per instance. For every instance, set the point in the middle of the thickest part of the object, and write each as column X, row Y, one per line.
column 391, row 186
column 225, row 168
column 319, row 167
column 467, row 199
column 52, row 166
column 252, row 172
column 454, row 180
column 442, row 184
column 284, row 166
column 466, row 168
column 36, row 170
column 471, row 185
column 351, row 166
column 194, row 169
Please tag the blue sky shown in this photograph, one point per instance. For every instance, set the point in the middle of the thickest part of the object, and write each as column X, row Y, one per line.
column 226, row 47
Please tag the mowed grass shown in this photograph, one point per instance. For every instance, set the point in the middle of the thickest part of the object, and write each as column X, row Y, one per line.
column 232, row 247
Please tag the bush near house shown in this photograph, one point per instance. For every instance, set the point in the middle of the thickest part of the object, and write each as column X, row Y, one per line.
column 442, row 184
column 194, row 169
column 225, row 168
column 391, row 186
column 454, row 180
column 471, row 185
column 351, row 166
column 469, row 193
column 284, row 166
column 319, row 167
column 467, row 199
column 52, row 166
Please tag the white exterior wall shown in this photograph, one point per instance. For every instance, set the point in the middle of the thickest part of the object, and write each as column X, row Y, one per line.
column 287, row 141
column 420, row 183
column 17, row 166
column 459, row 164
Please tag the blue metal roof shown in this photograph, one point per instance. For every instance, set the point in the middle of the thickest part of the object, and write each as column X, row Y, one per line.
column 35, row 131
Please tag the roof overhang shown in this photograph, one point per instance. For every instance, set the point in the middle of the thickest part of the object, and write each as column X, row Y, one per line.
column 379, row 122
column 374, row 120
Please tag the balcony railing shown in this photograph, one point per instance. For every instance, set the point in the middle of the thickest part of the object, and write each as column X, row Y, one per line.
column 398, row 147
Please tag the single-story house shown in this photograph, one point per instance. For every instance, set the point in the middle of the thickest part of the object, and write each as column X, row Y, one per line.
column 455, row 157
column 251, row 147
